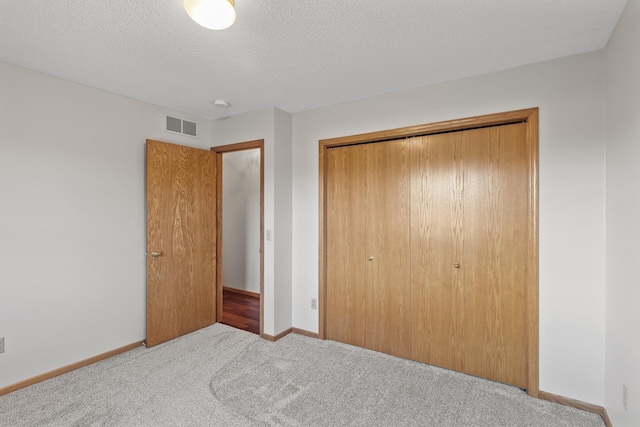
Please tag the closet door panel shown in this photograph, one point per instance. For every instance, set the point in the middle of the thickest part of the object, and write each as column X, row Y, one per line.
column 346, row 255
column 437, row 310
column 387, row 213
column 494, row 252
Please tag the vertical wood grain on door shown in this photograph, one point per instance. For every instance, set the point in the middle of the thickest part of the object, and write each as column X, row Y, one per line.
column 437, row 304
column 494, row 252
column 346, row 239
column 469, row 254
column 181, row 232
column 473, row 243
column 367, row 216
column 387, row 307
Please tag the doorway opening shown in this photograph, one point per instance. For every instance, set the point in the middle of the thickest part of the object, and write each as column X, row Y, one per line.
column 240, row 208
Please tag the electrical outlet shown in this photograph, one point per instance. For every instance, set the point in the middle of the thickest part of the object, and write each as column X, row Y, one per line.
column 1, row 344
column 314, row 303
column 625, row 392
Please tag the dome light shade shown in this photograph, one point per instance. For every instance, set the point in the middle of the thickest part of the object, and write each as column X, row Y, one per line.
column 212, row 14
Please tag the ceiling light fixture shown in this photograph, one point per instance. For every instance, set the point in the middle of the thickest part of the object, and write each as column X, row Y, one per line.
column 212, row 14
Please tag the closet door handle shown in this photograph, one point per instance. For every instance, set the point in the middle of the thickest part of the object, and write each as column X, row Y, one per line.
column 370, row 258
column 456, row 265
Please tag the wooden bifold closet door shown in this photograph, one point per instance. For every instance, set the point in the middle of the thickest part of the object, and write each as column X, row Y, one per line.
column 468, row 252
column 368, row 246
column 426, row 254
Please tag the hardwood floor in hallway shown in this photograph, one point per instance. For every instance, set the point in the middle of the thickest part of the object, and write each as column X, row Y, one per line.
column 241, row 311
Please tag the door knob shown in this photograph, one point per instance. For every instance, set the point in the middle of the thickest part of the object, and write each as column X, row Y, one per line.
column 155, row 254
column 456, row 265
column 370, row 258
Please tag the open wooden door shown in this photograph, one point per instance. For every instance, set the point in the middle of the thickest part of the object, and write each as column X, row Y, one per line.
column 181, row 240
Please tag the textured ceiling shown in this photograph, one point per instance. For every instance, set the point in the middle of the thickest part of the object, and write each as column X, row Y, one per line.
column 291, row 54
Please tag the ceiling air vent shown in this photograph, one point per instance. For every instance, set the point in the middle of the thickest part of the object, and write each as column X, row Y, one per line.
column 181, row 126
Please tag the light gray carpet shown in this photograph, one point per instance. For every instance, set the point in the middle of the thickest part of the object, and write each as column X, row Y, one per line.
column 220, row 376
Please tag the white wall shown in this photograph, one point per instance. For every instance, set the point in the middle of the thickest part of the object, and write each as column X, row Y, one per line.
column 623, row 212
column 270, row 125
column 570, row 95
column 241, row 220
column 283, row 220
column 72, row 220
